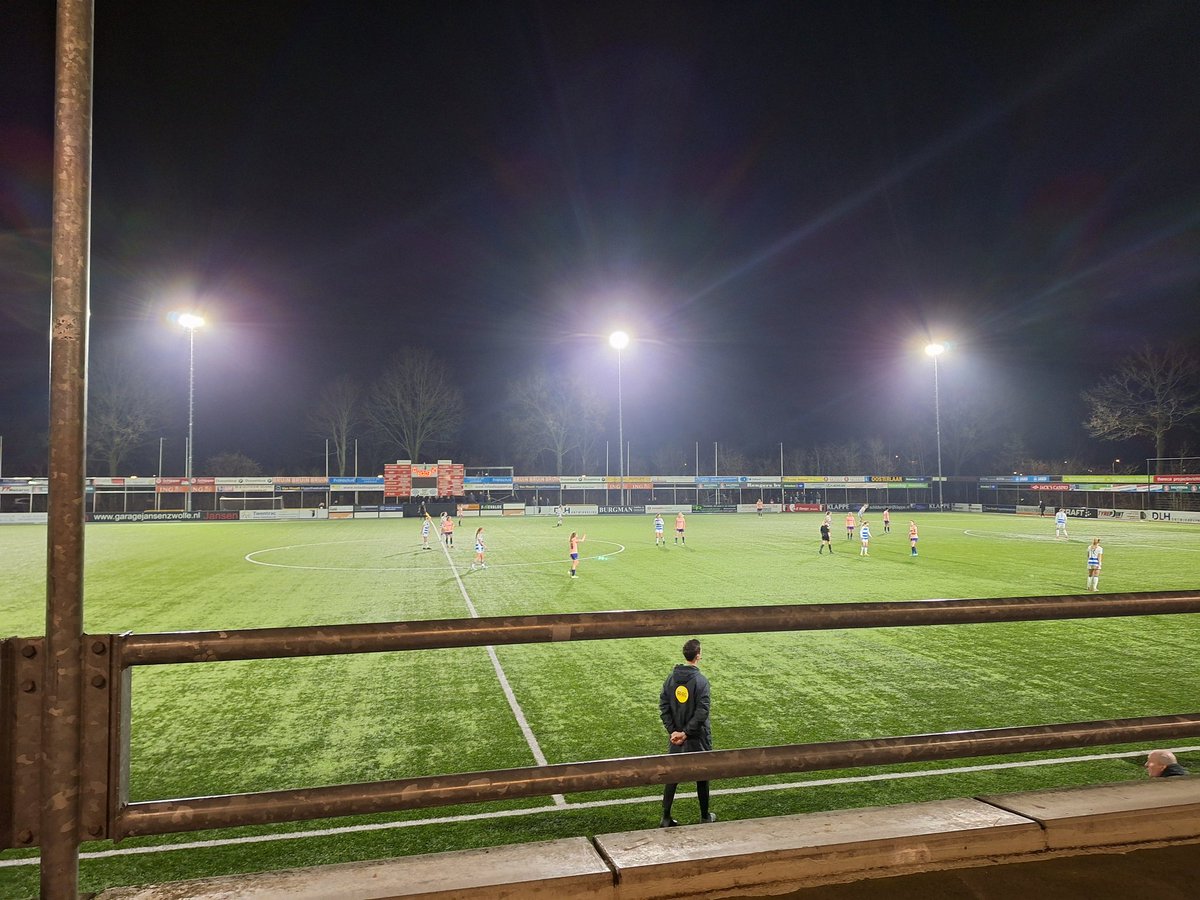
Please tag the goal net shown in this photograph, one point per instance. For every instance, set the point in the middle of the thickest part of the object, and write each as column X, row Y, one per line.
column 226, row 502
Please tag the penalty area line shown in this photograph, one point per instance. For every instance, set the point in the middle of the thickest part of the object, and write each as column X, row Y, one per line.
column 530, row 738
column 568, row 807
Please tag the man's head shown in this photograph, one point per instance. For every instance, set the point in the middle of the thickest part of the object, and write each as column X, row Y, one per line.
column 1157, row 760
column 691, row 650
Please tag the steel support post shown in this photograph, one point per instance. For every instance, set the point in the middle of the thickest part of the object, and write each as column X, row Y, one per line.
column 71, row 219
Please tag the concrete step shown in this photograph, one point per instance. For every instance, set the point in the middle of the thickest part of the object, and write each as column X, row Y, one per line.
column 760, row 857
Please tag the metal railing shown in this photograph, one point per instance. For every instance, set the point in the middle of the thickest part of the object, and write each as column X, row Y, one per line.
column 106, row 708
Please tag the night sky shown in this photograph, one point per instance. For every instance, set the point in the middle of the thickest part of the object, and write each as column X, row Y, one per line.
column 782, row 202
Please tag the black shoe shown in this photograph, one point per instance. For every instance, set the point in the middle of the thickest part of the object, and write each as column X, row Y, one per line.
column 667, row 822
column 708, row 817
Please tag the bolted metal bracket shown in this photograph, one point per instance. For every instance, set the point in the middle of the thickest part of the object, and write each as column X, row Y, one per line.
column 21, row 667
column 95, row 760
column 104, row 735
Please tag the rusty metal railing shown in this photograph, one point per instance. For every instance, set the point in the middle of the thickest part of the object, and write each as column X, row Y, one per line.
column 108, row 660
column 322, row 640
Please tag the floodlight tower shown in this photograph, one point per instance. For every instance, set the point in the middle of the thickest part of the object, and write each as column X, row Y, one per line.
column 191, row 322
column 934, row 351
column 619, row 341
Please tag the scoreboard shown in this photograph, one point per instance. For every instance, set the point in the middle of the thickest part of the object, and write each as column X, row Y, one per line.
column 405, row 479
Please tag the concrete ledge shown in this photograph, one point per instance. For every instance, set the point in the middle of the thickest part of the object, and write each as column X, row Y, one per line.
column 549, row 869
column 755, row 857
column 786, row 853
column 1159, row 809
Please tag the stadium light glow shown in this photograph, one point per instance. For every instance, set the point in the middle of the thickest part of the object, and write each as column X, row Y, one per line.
column 934, row 350
column 190, row 321
column 619, row 340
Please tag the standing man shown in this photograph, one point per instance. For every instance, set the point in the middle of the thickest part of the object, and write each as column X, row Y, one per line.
column 865, row 534
column 1041, row 506
column 825, row 542
column 1095, row 554
column 683, row 706
column 1060, row 524
column 680, row 526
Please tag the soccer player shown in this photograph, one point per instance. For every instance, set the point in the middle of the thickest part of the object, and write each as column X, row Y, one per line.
column 825, row 542
column 850, row 525
column 558, row 512
column 660, row 539
column 426, row 527
column 912, row 536
column 680, row 525
column 887, row 520
column 448, row 531
column 575, row 542
column 758, row 507
column 865, row 534
column 829, row 518
column 480, row 549
column 1060, row 524
column 1095, row 554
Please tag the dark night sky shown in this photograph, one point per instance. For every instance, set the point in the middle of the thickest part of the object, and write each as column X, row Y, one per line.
column 782, row 201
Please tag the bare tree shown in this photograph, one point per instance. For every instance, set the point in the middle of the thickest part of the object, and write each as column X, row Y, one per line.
column 879, row 460
column 593, row 411
column 125, row 405
column 1151, row 393
column 545, row 411
column 233, row 464
column 414, row 404
column 336, row 414
column 556, row 417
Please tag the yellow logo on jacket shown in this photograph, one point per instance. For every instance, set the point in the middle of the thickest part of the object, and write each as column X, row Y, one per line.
column 681, row 693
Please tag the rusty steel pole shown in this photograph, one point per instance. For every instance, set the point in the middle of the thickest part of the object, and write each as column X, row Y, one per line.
column 70, row 241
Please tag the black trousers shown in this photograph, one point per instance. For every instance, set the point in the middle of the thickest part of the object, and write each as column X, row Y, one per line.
column 701, row 793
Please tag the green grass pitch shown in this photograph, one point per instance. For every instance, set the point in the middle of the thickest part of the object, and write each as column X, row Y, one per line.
column 228, row 727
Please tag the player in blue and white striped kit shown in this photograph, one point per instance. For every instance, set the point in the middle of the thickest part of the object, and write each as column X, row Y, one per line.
column 865, row 534
column 1095, row 554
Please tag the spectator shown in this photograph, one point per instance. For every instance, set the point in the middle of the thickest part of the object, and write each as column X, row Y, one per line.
column 1162, row 764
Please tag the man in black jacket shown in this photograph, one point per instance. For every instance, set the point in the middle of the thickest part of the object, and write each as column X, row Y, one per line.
column 683, row 706
column 1163, row 764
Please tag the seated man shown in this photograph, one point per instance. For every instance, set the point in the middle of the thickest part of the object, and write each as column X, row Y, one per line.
column 1162, row 764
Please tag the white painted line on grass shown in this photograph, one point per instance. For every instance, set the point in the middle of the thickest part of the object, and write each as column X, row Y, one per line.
column 591, row 804
column 530, row 739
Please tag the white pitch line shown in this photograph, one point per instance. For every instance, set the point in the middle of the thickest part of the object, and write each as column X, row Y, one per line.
column 252, row 557
column 591, row 804
column 530, row 738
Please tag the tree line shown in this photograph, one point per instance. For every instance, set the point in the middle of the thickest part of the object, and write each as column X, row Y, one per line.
column 560, row 425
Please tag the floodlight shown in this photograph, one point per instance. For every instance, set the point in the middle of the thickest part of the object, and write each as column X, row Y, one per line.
column 619, row 340
column 190, row 321
column 935, row 349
